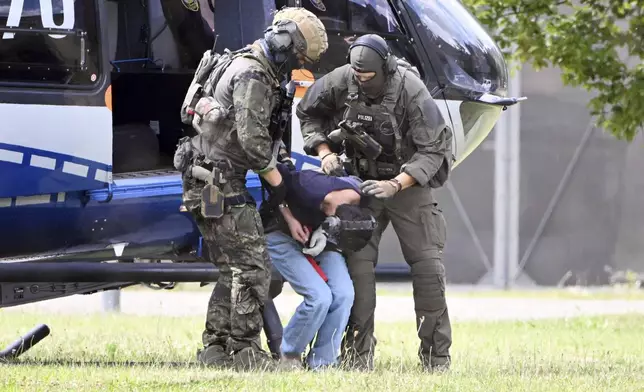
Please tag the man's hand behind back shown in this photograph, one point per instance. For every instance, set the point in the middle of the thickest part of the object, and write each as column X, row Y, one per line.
column 299, row 232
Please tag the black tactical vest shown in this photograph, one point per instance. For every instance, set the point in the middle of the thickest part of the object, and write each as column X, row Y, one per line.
column 379, row 121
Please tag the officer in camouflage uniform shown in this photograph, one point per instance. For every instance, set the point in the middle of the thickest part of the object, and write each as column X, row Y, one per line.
column 243, row 98
column 396, row 139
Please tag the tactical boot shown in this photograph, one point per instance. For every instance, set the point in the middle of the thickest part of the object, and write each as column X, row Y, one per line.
column 361, row 363
column 435, row 364
column 250, row 358
column 214, row 356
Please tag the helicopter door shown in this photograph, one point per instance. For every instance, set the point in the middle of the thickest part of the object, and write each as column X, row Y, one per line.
column 54, row 99
column 345, row 21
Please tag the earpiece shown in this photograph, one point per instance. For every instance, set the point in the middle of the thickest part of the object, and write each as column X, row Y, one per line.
column 279, row 42
column 279, row 39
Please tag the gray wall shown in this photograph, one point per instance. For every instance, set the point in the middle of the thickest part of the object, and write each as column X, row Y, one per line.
column 597, row 220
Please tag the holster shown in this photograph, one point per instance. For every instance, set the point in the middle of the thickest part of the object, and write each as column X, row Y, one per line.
column 212, row 202
column 217, row 195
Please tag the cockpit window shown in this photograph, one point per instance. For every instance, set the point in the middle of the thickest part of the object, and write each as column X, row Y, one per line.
column 469, row 58
column 359, row 16
column 49, row 42
column 373, row 16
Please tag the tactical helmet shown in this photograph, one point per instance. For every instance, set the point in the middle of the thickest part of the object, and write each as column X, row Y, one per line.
column 310, row 39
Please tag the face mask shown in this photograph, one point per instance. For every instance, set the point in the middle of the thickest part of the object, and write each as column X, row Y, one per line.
column 373, row 87
column 368, row 60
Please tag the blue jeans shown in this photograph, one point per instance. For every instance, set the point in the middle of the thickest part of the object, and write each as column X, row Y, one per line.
column 326, row 307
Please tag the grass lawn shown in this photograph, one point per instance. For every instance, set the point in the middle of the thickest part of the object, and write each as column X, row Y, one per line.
column 584, row 354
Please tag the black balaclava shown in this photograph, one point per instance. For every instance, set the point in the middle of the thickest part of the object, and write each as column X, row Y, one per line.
column 365, row 59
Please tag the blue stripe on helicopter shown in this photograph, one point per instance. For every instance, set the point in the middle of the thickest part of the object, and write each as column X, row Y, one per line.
column 42, row 162
column 30, row 171
column 303, row 161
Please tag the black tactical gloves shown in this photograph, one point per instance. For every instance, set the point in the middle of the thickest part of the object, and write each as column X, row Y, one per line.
column 268, row 209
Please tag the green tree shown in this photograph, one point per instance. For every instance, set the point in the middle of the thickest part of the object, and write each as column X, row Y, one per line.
column 583, row 38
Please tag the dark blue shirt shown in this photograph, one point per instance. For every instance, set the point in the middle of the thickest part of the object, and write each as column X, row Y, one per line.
column 306, row 189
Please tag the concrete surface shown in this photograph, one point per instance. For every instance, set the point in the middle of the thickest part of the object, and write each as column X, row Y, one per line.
column 389, row 308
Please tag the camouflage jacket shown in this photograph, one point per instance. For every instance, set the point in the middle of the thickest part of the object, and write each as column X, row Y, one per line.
column 426, row 138
column 248, row 91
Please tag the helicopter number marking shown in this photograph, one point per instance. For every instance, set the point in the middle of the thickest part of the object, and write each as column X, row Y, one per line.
column 16, row 9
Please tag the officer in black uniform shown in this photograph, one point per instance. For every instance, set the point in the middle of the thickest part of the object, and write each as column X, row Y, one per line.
column 396, row 139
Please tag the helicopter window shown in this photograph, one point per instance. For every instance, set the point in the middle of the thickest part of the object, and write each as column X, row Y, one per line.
column 339, row 43
column 471, row 60
column 49, row 42
column 347, row 20
column 358, row 16
column 373, row 16
column 477, row 118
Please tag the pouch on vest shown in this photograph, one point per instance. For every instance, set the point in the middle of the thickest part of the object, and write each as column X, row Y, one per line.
column 183, row 155
column 208, row 114
column 209, row 70
column 195, row 90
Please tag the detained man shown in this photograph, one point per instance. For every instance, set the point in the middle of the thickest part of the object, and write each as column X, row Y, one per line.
column 320, row 219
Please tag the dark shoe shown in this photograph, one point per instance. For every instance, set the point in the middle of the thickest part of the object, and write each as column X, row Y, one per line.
column 214, row 356
column 288, row 363
column 440, row 368
column 250, row 358
column 437, row 365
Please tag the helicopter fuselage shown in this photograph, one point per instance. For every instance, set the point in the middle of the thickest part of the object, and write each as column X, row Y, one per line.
column 90, row 92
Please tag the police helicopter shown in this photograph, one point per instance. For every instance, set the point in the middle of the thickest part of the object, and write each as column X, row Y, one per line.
column 90, row 96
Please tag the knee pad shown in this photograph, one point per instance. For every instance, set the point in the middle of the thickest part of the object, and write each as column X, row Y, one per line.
column 428, row 278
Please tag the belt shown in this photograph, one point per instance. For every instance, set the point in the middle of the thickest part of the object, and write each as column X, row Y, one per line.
column 222, row 165
column 241, row 199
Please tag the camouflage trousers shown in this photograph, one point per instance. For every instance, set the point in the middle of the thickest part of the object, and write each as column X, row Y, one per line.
column 238, row 248
column 420, row 227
